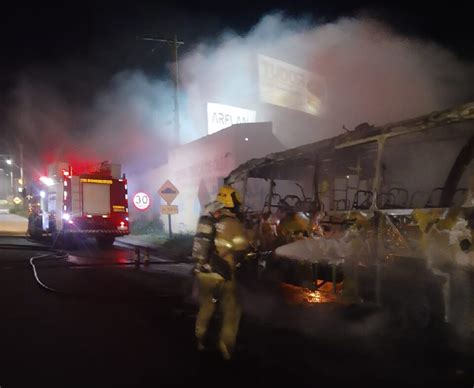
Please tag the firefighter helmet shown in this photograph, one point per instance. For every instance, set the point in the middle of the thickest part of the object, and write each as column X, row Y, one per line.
column 229, row 197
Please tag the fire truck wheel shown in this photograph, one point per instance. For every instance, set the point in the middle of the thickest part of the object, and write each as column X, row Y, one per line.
column 105, row 241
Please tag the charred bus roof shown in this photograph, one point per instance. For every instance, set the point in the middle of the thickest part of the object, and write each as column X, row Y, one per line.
column 298, row 161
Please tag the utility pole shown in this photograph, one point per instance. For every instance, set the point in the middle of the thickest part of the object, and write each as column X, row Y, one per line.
column 174, row 44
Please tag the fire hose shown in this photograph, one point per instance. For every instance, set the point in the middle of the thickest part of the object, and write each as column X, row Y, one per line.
column 58, row 255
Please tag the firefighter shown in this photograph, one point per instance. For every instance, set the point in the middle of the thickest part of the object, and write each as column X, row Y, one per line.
column 35, row 221
column 219, row 244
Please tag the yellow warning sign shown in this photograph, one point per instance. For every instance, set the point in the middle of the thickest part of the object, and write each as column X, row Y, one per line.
column 168, row 192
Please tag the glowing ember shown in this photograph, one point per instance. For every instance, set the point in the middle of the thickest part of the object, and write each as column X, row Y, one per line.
column 313, row 296
column 301, row 295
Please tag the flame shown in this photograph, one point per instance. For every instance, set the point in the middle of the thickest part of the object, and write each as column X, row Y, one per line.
column 302, row 295
column 313, row 296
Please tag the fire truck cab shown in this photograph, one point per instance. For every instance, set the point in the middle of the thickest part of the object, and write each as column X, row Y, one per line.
column 90, row 203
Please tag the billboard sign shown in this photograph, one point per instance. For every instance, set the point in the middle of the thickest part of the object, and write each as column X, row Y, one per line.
column 222, row 116
column 289, row 86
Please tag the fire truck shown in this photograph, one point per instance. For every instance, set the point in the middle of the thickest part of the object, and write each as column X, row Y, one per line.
column 92, row 202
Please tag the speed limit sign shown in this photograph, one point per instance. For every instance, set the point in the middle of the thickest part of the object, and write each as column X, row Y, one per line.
column 141, row 201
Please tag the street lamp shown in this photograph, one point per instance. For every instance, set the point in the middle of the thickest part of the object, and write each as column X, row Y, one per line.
column 9, row 160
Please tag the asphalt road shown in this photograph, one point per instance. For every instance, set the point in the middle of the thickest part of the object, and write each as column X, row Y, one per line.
column 112, row 324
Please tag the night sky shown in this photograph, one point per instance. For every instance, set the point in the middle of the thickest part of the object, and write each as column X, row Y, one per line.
column 100, row 38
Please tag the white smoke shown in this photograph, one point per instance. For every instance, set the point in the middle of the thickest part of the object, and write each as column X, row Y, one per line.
column 371, row 73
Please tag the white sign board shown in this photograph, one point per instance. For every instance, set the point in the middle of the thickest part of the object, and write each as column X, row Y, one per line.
column 222, row 116
column 168, row 192
column 169, row 209
column 289, row 86
column 141, row 201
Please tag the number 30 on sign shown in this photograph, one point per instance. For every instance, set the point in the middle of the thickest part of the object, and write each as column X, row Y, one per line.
column 141, row 201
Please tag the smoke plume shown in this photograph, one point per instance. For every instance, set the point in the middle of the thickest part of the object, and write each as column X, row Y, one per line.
column 371, row 74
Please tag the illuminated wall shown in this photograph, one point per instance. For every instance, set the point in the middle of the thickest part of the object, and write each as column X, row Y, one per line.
column 198, row 168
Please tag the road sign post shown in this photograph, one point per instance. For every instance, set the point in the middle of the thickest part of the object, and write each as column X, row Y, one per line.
column 169, row 227
column 169, row 192
column 169, row 209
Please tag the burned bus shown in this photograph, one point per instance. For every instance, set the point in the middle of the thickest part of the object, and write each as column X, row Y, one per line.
column 379, row 215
